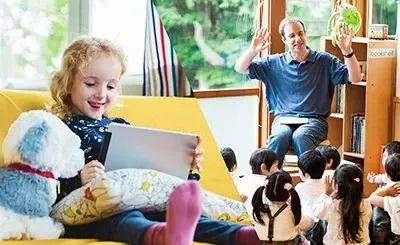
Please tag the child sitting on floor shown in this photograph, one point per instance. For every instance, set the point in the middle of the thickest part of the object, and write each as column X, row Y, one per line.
column 277, row 211
column 332, row 156
column 312, row 166
column 344, row 207
column 263, row 161
column 230, row 161
column 386, row 218
column 381, row 219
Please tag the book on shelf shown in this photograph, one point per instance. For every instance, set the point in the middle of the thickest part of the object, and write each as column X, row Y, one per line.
column 339, row 98
column 358, row 133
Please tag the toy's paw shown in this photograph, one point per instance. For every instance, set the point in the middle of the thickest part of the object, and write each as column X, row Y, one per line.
column 44, row 228
column 7, row 234
column 10, row 228
column 60, row 228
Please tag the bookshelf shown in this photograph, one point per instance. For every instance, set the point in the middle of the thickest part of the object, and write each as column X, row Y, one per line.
column 373, row 98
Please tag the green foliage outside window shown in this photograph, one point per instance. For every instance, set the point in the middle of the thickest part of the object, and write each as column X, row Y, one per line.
column 315, row 14
column 228, row 27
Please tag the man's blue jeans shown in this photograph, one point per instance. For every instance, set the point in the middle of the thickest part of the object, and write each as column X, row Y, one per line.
column 303, row 137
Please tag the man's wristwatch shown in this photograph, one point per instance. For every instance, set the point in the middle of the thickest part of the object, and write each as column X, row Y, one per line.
column 349, row 55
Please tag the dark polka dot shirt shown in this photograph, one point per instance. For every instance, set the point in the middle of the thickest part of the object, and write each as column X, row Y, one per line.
column 91, row 131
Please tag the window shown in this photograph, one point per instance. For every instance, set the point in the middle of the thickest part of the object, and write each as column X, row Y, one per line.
column 122, row 21
column 315, row 14
column 384, row 12
column 33, row 35
column 208, row 37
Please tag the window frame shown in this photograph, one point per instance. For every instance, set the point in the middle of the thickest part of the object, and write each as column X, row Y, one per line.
column 79, row 18
column 81, row 22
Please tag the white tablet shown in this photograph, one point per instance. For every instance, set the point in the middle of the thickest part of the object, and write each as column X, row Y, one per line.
column 127, row 146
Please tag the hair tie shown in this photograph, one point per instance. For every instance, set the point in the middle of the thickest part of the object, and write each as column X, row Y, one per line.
column 356, row 180
column 266, row 182
column 287, row 186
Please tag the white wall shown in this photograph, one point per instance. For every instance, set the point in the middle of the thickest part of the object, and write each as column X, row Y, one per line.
column 234, row 123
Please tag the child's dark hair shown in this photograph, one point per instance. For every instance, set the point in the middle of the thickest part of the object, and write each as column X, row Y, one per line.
column 260, row 156
column 349, row 179
column 312, row 162
column 229, row 157
column 392, row 147
column 330, row 152
column 392, row 167
column 275, row 191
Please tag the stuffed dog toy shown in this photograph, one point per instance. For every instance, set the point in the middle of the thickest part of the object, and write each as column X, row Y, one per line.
column 38, row 149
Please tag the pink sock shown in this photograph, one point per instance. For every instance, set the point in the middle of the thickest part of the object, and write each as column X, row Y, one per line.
column 183, row 212
column 155, row 235
column 246, row 236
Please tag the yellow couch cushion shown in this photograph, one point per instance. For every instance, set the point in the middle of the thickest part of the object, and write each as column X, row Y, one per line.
column 170, row 113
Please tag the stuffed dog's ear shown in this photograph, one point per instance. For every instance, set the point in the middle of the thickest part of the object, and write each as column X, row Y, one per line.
column 33, row 144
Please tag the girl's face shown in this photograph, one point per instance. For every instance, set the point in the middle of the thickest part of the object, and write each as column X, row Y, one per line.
column 94, row 91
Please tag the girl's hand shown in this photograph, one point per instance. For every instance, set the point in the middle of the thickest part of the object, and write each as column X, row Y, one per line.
column 198, row 155
column 91, row 171
column 328, row 181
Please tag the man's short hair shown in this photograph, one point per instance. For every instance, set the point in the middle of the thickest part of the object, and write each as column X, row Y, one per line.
column 330, row 152
column 392, row 167
column 289, row 21
column 312, row 162
column 229, row 157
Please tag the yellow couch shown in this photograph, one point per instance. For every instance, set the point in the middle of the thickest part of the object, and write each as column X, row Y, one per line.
column 178, row 114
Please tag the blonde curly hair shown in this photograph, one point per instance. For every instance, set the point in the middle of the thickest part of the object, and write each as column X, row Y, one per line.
column 76, row 58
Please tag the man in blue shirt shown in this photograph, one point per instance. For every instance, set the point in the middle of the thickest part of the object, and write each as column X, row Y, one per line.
column 299, row 84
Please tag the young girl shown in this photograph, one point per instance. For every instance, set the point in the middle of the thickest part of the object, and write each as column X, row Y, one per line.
column 344, row 206
column 83, row 91
column 277, row 211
